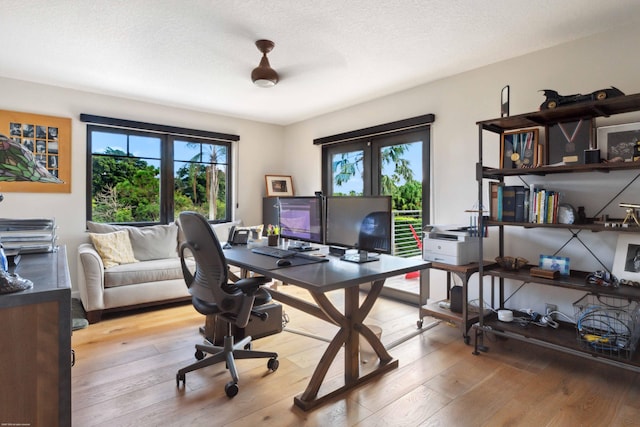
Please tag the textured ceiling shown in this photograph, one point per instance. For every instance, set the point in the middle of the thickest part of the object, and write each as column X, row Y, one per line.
column 330, row 54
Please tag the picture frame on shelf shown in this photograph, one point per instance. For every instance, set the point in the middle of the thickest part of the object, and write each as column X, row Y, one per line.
column 626, row 262
column 567, row 142
column 618, row 141
column 555, row 263
column 279, row 185
column 519, row 149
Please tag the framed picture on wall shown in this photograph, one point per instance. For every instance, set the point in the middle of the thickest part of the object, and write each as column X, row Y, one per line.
column 519, row 149
column 279, row 185
column 48, row 138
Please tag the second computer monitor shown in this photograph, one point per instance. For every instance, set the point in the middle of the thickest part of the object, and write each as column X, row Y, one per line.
column 301, row 219
column 362, row 222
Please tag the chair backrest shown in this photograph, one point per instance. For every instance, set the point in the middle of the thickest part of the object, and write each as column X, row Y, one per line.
column 375, row 233
column 209, row 282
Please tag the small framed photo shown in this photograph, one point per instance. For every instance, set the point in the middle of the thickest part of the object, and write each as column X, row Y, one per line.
column 626, row 263
column 555, row 263
column 519, row 149
column 279, row 185
column 619, row 141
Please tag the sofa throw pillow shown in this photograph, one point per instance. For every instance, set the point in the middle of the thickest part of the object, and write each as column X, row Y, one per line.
column 150, row 242
column 154, row 242
column 114, row 248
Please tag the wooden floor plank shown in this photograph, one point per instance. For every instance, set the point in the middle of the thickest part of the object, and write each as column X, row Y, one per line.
column 126, row 367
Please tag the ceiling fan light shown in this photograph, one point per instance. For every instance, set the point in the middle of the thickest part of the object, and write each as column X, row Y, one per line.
column 263, row 75
column 264, row 82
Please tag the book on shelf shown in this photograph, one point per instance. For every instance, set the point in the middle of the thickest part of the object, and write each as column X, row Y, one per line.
column 520, row 194
column 493, row 201
column 509, row 203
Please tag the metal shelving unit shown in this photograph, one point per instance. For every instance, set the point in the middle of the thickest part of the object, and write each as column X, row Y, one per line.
column 564, row 338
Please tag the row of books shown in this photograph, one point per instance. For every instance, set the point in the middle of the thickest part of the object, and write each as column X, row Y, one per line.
column 34, row 235
column 517, row 203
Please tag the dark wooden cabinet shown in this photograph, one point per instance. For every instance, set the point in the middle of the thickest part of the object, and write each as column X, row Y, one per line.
column 35, row 332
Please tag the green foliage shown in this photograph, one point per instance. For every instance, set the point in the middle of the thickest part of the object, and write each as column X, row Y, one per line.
column 408, row 196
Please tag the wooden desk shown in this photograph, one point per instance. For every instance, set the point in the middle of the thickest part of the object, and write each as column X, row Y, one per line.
column 322, row 277
column 464, row 319
column 35, row 332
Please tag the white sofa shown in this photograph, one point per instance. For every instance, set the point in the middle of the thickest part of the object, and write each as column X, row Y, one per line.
column 155, row 276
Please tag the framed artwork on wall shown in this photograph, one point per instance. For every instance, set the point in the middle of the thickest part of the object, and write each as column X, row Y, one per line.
column 48, row 138
column 519, row 149
column 279, row 185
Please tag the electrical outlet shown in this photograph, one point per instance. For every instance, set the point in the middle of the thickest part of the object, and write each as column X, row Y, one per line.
column 548, row 308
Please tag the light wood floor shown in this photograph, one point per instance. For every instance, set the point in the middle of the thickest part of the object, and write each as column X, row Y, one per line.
column 126, row 366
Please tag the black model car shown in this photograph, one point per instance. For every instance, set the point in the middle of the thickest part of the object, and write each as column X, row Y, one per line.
column 554, row 99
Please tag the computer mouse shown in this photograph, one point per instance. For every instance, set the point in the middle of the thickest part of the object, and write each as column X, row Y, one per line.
column 283, row 262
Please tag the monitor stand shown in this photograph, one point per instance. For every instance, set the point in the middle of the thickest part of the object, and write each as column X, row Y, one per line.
column 361, row 257
column 301, row 247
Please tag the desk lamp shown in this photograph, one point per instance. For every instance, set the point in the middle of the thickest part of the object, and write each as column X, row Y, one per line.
column 18, row 164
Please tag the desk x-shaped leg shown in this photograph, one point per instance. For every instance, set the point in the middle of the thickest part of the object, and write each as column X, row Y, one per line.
column 351, row 326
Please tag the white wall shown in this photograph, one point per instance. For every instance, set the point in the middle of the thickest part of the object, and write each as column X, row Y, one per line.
column 458, row 103
column 259, row 152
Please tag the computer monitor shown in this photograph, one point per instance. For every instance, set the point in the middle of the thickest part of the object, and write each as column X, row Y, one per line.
column 300, row 219
column 362, row 222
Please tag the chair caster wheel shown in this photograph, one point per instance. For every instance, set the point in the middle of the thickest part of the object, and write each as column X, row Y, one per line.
column 231, row 389
column 199, row 355
column 248, row 346
column 273, row 364
column 180, row 377
column 419, row 324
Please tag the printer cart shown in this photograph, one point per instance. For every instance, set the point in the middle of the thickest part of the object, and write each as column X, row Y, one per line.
column 465, row 319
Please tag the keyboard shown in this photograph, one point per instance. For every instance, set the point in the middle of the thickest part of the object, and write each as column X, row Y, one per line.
column 273, row 251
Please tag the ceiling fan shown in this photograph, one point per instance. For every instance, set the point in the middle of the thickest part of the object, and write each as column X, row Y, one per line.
column 263, row 75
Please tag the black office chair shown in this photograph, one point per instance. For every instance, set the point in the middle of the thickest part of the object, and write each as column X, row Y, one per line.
column 374, row 232
column 211, row 293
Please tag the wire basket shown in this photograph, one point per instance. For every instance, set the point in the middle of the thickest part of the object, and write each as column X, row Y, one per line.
column 608, row 325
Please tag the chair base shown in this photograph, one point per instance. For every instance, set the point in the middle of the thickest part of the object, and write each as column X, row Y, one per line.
column 227, row 353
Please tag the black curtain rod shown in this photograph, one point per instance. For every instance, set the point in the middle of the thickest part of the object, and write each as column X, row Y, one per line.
column 100, row 120
column 410, row 123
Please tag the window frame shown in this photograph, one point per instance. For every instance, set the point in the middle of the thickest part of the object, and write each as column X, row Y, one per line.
column 167, row 136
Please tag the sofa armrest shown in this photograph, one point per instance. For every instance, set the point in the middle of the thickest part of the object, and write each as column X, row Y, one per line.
column 90, row 277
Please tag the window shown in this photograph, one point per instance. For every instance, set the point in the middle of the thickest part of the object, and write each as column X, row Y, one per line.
column 389, row 159
column 145, row 176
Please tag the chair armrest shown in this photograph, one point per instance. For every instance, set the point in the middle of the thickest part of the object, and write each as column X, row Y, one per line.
column 90, row 277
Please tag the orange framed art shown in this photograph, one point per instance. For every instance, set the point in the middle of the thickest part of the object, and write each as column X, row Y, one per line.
column 49, row 139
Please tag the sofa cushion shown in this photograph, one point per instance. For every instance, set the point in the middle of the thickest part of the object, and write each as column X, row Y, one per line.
column 114, row 248
column 149, row 243
column 144, row 272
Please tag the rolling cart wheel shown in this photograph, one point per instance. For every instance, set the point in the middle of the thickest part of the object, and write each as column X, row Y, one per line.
column 273, row 364
column 199, row 355
column 231, row 389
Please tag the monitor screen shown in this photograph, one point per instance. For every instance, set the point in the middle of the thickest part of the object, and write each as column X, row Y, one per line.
column 362, row 222
column 300, row 218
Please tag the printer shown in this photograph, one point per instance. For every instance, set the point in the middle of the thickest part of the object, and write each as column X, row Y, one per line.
column 450, row 244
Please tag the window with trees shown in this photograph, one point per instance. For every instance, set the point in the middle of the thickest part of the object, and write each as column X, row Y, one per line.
column 146, row 177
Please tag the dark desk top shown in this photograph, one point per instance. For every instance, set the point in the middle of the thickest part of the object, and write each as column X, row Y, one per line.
column 324, row 276
column 49, row 273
